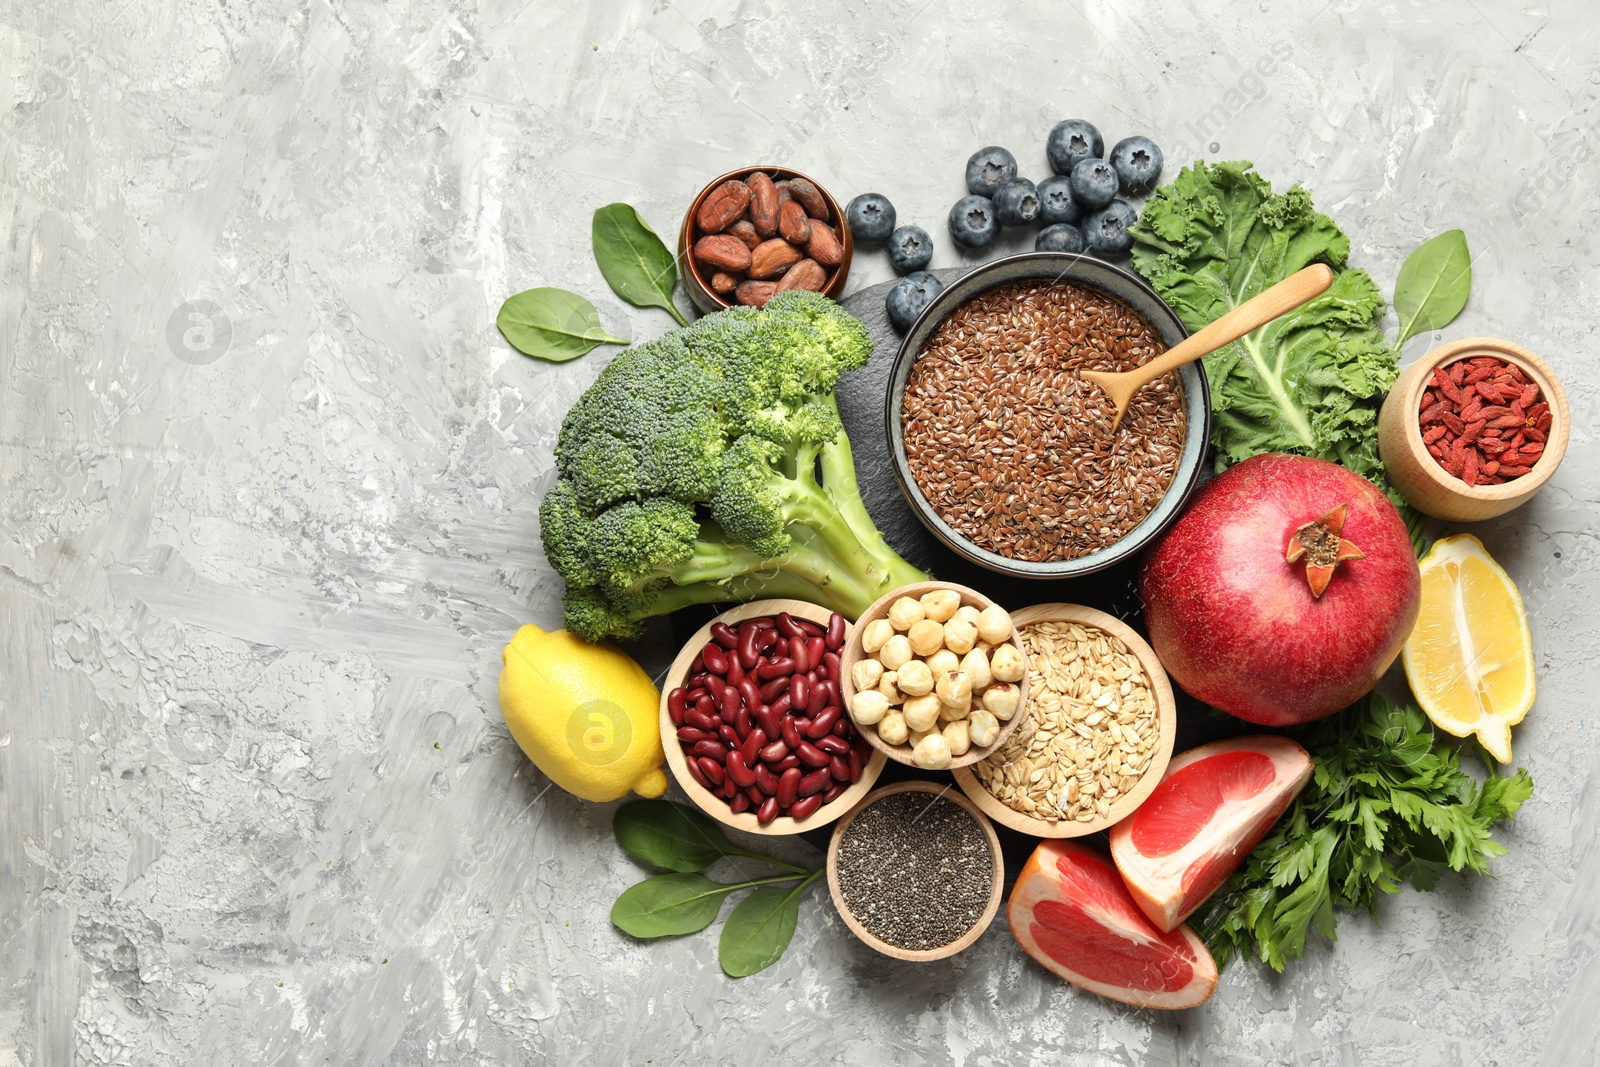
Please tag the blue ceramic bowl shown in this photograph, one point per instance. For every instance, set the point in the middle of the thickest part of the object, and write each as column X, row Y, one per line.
column 1090, row 273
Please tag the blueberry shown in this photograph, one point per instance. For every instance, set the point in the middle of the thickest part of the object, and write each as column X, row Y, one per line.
column 1071, row 142
column 1055, row 201
column 909, row 296
column 973, row 223
column 1106, row 230
column 1017, row 202
column 910, row 248
column 1137, row 162
column 1094, row 183
column 988, row 169
column 1062, row 237
column 871, row 218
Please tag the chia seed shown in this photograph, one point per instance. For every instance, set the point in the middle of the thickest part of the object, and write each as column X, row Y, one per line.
column 915, row 870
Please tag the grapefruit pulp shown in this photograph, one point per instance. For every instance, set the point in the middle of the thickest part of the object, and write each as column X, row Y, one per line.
column 1071, row 912
column 1214, row 804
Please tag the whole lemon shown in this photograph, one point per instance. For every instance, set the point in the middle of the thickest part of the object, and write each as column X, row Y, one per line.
column 586, row 714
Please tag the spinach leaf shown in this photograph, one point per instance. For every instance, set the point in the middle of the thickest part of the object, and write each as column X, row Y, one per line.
column 1309, row 382
column 670, row 904
column 760, row 928
column 1433, row 284
column 552, row 324
column 635, row 262
column 676, row 837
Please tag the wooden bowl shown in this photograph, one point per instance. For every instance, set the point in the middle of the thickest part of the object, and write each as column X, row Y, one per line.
column 704, row 799
column 853, row 654
column 699, row 286
column 1166, row 711
column 1430, row 488
column 937, row 789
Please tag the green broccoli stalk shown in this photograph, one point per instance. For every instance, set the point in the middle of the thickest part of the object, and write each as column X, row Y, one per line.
column 710, row 465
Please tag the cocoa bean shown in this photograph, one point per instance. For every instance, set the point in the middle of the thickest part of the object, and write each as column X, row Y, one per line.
column 723, row 283
column 824, row 246
column 746, row 232
column 810, row 198
column 722, row 252
column 793, row 223
column 754, row 294
column 806, row 274
column 763, row 204
column 723, row 206
column 771, row 258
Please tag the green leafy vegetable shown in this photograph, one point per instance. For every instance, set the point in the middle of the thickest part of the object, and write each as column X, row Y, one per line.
column 1433, row 285
column 1311, row 381
column 1388, row 803
column 677, row 838
column 672, row 904
column 760, row 928
column 710, row 465
column 665, row 834
column 552, row 324
column 635, row 262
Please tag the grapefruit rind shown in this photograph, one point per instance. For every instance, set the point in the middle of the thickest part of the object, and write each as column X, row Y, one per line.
column 1101, row 902
column 1169, row 887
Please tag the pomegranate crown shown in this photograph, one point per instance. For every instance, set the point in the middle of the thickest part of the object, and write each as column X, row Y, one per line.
column 1321, row 543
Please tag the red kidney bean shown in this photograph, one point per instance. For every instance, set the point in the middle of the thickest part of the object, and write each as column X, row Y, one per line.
column 833, row 746
column 723, row 635
column 677, row 702
column 728, row 699
column 689, row 735
column 819, row 701
column 811, row 754
column 799, row 690
column 855, row 766
column 789, row 787
column 834, row 695
column 748, row 652
column 699, row 720
column 728, row 789
column 729, row 735
column 768, row 721
column 754, row 795
column 738, row 771
column 798, row 653
column 788, row 626
column 741, row 722
column 699, row 775
column 706, row 705
column 696, row 690
column 735, row 670
column 791, row 732
column 822, row 725
column 835, row 635
column 791, row 760
column 739, row 803
column 768, row 811
column 751, row 692
column 816, row 648
column 714, row 749
column 839, row 767
column 767, row 639
column 830, row 794
column 770, row 691
column 815, row 782
column 765, row 781
column 774, row 668
column 812, row 629
column 755, row 742
column 774, row 752
column 711, row 769
column 830, row 665
column 780, row 707
column 845, row 728
column 804, row 808
column 716, row 662
column 698, row 665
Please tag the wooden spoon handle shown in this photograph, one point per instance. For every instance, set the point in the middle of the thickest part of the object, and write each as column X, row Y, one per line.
column 1298, row 288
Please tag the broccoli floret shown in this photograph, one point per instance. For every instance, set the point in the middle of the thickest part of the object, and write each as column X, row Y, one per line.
column 711, row 465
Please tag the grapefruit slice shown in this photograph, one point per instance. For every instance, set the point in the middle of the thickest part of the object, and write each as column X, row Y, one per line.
column 1071, row 912
column 1214, row 805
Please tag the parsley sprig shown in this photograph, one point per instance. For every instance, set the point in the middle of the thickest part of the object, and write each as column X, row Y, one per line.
column 1388, row 803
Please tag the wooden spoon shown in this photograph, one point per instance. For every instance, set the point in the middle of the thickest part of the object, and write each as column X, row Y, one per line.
column 1297, row 289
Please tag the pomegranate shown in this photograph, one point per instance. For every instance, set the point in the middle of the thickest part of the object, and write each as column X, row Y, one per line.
column 1284, row 592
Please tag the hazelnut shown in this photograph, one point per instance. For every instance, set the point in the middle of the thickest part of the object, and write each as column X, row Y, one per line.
column 921, row 712
column 892, row 729
column 932, row 753
column 875, row 635
column 960, row 636
column 957, row 737
column 905, row 612
column 941, row 604
column 895, row 653
column 994, row 624
column 1007, row 664
column 869, row 707
column 914, row 679
column 927, row 637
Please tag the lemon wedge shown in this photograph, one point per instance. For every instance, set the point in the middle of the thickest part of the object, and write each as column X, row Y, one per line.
column 1470, row 657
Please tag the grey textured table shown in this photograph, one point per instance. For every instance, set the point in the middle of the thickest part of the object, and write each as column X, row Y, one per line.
column 270, row 480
